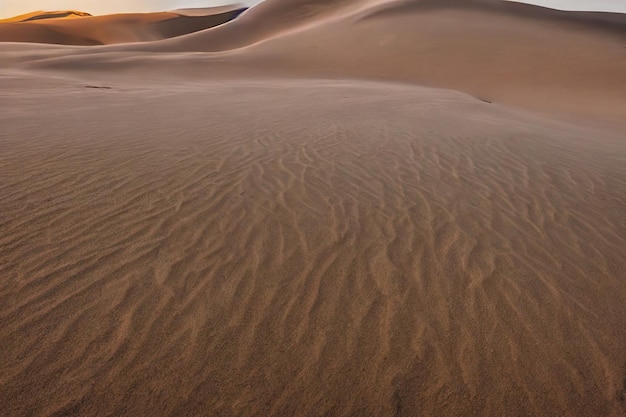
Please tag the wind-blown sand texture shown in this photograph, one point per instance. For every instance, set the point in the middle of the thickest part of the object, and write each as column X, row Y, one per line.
column 275, row 228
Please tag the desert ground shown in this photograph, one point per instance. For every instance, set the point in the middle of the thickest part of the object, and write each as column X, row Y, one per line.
column 314, row 208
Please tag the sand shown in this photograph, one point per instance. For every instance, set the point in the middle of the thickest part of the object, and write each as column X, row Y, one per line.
column 255, row 232
column 40, row 14
column 119, row 28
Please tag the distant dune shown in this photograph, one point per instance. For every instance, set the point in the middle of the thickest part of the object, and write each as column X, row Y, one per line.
column 121, row 28
column 524, row 55
column 514, row 53
column 351, row 208
column 41, row 15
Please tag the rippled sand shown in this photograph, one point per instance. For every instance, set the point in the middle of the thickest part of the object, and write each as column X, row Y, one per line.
column 249, row 221
column 257, row 248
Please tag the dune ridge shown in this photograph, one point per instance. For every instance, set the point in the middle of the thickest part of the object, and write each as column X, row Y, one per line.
column 39, row 15
column 203, row 11
column 444, row 44
column 578, row 72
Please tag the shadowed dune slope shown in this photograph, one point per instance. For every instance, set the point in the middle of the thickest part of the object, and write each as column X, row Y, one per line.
column 298, row 248
column 21, row 32
column 272, row 18
column 266, row 20
column 204, row 11
column 112, row 29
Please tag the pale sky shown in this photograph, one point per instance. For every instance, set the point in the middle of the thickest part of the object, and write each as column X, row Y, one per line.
column 591, row 5
column 10, row 8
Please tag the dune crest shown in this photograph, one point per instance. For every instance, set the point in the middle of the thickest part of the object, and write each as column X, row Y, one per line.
column 569, row 63
column 41, row 15
column 204, row 11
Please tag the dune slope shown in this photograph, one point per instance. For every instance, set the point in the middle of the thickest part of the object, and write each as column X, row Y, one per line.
column 514, row 53
column 272, row 18
column 563, row 62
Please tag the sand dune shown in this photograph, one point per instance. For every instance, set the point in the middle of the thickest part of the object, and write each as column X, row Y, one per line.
column 272, row 218
column 518, row 54
column 40, row 15
column 123, row 28
column 563, row 62
column 274, row 17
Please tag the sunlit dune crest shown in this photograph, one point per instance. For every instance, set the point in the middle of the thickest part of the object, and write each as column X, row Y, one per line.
column 41, row 15
column 335, row 208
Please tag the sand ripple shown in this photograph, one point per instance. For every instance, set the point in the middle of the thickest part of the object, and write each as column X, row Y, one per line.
column 241, row 249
